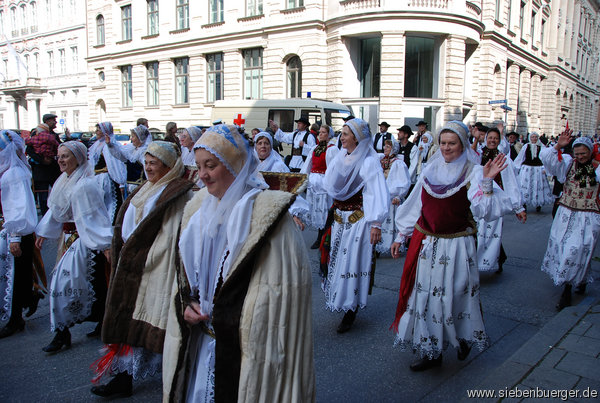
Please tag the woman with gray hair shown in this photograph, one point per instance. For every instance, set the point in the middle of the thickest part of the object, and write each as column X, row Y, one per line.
column 355, row 181
column 80, row 219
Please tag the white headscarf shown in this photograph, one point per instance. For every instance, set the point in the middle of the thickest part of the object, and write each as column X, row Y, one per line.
column 584, row 141
column 534, row 147
column 194, row 133
column 224, row 224
column 342, row 178
column 137, row 153
column 441, row 178
column 268, row 163
column 59, row 201
column 12, row 152
column 116, row 169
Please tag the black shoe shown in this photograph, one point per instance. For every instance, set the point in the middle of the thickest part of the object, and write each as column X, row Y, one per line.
column 96, row 332
column 120, row 386
column 347, row 322
column 580, row 289
column 12, row 327
column 565, row 299
column 316, row 244
column 35, row 299
column 425, row 363
column 463, row 350
column 62, row 338
column 538, row 209
column 500, row 269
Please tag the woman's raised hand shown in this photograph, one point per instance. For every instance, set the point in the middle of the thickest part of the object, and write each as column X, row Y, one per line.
column 495, row 166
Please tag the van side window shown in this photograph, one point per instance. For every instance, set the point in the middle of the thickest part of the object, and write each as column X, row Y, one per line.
column 285, row 118
column 313, row 115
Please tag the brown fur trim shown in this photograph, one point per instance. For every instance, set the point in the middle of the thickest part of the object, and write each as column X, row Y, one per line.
column 228, row 305
column 129, row 261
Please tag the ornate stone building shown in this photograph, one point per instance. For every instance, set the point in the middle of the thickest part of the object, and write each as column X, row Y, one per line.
column 43, row 49
column 394, row 60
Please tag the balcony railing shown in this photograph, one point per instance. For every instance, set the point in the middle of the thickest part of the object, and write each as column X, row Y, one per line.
column 359, row 4
column 429, row 3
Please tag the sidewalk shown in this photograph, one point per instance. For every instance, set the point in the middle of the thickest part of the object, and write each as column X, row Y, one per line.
column 563, row 356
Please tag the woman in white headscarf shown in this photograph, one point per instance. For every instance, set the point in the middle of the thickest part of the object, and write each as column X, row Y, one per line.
column 535, row 187
column 16, row 235
column 439, row 292
column 111, row 172
column 269, row 159
column 78, row 285
column 187, row 139
column 132, row 154
column 246, row 284
column 490, row 252
column 355, row 181
column 398, row 182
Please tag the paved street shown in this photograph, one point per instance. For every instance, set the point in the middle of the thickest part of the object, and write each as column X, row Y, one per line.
column 362, row 365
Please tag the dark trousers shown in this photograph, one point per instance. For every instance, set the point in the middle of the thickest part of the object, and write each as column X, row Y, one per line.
column 23, row 279
column 41, row 191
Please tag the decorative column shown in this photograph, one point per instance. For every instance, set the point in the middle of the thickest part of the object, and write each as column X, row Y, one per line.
column 335, row 64
column 524, row 94
column 453, row 80
column 391, row 86
column 232, row 66
column 512, row 95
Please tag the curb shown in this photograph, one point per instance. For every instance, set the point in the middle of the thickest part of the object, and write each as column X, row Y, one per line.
column 534, row 351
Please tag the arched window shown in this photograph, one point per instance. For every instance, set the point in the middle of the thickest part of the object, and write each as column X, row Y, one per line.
column 33, row 13
column 294, row 77
column 100, row 30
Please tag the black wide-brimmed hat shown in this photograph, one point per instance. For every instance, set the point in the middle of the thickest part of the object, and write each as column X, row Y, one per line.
column 406, row 129
column 386, row 124
column 421, row 122
column 303, row 120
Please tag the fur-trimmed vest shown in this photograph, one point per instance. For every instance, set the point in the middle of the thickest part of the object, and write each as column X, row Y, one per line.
column 143, row 270
column 261, row 316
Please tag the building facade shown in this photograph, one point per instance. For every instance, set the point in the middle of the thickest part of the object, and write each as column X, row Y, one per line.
column 43, row 49
column 394, row 60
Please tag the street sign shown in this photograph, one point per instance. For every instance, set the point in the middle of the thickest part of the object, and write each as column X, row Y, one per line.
column 498, row 101
column 62, row 121
column 506, row 108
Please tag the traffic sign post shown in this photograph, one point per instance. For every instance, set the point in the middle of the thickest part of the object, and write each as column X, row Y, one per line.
column 498, row 101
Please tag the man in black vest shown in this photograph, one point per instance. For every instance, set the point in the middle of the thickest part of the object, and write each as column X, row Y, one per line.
column 408, row 151
column 301, row 139
column 381, row 137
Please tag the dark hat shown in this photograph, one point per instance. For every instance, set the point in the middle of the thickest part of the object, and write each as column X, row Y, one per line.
column 303, row 120
column 406, row 129
column 48, row 116
column 421, row 122
column 384, row 124
column 478, row 125
column 349, row 117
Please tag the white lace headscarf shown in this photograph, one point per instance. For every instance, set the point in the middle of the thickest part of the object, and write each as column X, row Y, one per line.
column 142, row 133
column 534, row 147
column 194, row 133
column 224, row 223
column 59, row 201
column 446, row 178
column 266, row 165
column 116, row 169
column 12, row 152
column 342, row 178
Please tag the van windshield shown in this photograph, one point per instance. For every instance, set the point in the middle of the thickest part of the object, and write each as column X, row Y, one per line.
column 335, row 118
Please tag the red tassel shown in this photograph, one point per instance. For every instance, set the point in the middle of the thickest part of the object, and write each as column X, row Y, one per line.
column 324, row 246
column 103, row 365
column 560, row 157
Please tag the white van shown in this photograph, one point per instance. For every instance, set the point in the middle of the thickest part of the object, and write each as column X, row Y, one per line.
column 257, row 113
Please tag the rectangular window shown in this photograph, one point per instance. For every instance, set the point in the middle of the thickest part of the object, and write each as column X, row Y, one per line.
column 152, row 17
column 216, row 11
column 75, row 119
column 182, row 78
column 418, row 66
column 126, row 23
column 36, row 64
column 253, row 73
column 51, row 63
column 532, row 31
column 127, row 86
column 34, row 23
column 498, row 9
column 295, row 3
column 152, row 80
column 75, row 58
column 254, row 7
column 522, row 19
column 63, row 61
column 542, row 32
column 183, row 14
column 370, row 67
column 100, row 30
column 215, row 77
column 509, row 17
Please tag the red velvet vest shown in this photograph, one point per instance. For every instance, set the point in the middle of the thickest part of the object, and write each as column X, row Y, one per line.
column 449, row 217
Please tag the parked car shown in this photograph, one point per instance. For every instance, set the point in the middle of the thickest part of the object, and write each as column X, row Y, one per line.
column 124, row 139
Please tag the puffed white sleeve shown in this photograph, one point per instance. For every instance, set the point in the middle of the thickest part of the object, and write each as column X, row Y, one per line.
column 510, row 183
column 48, row 227
column 284, row 137
column 414, row 161
column 488, row 201
column 309, row 145
column 117, row 150
column 299, row 208
column 331, row 153
column 398, row 179
column 553, row 166
column 18, row 205
column 307, row 166
column 520, row 158
column 90, row 215
column 408, row 213
column 376, row 197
